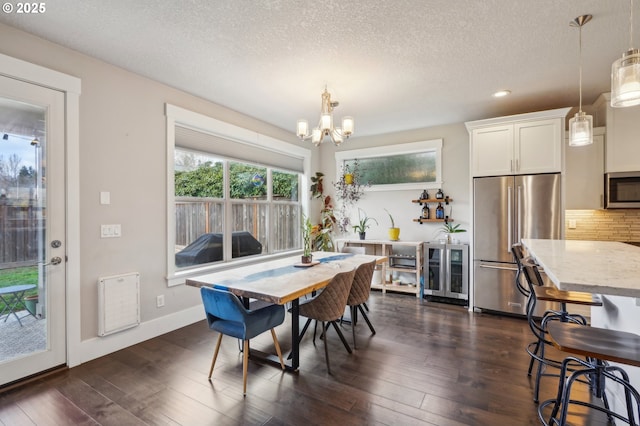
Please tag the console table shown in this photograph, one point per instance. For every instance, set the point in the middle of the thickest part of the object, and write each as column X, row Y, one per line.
column 399, row 262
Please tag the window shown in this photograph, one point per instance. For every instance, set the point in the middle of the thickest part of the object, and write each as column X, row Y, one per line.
column 414, row 165
column 223, row 208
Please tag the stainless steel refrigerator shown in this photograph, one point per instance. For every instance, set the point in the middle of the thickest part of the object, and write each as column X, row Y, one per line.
column 507, row 209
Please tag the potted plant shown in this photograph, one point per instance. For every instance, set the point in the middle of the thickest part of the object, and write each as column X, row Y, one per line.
column 349, row 189
column 307, row 230
column 394, row 233
column 448, row 228
column 321, row 235
column 363, row 224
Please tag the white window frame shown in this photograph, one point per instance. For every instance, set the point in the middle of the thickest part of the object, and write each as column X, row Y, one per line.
column 389, row 150
column 177, row 116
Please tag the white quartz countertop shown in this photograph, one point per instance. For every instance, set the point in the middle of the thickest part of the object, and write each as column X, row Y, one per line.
column 602, row 267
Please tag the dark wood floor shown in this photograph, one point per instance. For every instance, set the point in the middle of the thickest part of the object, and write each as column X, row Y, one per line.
column 428, row 364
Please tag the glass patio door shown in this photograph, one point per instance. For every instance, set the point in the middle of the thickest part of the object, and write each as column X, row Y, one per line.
column 32, row 230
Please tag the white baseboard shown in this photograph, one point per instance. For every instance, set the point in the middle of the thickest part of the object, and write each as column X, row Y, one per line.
column 100, row 346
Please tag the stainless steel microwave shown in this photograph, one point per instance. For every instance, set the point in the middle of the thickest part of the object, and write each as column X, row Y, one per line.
column 622, row 190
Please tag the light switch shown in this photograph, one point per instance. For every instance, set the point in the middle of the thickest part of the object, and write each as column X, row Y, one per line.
column 110, row 231
column 572, row 224
column 105, row 197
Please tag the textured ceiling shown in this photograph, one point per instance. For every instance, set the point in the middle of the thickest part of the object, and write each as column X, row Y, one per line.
column 393, row 65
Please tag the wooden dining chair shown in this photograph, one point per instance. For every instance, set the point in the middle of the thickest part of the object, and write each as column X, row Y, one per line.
column 327, row 307
column 227, row 315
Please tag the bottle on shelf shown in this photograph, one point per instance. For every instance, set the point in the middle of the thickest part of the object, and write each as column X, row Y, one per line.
column 424, row 195
column 439, row 195
column 439, row 211
column 425, row 211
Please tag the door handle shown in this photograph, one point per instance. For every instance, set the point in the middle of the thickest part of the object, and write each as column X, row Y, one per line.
column 54, row 261
column 509, row 224
column 502, row 268
column 519, row 214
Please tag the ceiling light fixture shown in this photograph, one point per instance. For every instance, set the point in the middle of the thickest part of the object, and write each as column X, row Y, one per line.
column 581, row 125
column 325, row 125
column 501, row 93
column 625, row 73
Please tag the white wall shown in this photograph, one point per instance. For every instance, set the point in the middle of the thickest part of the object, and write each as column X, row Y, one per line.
column 455, row 176
column 122, row 150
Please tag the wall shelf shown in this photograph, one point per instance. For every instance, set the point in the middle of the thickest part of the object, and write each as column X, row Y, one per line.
column 446, row 200
column 421, row 201
column 421, row 220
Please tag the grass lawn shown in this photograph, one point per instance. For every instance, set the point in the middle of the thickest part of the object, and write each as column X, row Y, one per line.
column 17, row 276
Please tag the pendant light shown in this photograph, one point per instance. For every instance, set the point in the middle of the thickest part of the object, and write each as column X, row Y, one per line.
column 625, row 73
column 580, row 126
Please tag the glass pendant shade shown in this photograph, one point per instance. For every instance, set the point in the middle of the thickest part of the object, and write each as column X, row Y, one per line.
column 316, row 136
column 347, row 125
column 326, row 122
column 581, row 129
column 625, row 80
column 303, row 128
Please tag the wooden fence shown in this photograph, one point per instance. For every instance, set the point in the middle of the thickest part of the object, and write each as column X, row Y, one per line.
column 20, row 226
column 196, row 217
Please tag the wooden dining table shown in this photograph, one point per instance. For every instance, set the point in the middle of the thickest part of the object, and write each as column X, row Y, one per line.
column 283, row 281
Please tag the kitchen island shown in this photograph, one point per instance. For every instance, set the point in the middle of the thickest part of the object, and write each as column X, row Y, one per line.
column 609, row 268
column 602, row 267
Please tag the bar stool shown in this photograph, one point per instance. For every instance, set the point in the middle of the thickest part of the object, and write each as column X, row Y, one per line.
column 598, row 345
column 538, row 326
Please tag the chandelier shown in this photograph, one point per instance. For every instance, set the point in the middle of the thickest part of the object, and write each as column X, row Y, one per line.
column 325, row 125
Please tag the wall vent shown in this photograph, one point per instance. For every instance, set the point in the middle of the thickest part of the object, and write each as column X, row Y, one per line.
column 118, row 303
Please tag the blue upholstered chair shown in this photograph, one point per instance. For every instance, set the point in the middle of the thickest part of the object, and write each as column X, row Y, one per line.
column 227, row 315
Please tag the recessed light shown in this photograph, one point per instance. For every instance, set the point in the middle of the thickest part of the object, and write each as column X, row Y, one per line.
column 501, row 93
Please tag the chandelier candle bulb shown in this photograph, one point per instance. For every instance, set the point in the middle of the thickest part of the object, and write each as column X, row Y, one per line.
column 326, row 122
column 303, row 128
column 316, row 136
column 347, row 126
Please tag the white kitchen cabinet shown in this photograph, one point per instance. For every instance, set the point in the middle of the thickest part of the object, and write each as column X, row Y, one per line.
column 517, row 144
column 622, row 147
column 584, row 174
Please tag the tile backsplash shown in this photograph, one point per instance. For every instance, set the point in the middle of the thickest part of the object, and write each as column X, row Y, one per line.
column 603, row 225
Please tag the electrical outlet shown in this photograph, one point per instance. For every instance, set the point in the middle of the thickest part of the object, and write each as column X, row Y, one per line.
column 160, row 301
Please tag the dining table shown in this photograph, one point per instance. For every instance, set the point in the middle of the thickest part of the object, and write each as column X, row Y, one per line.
column 283, row 281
